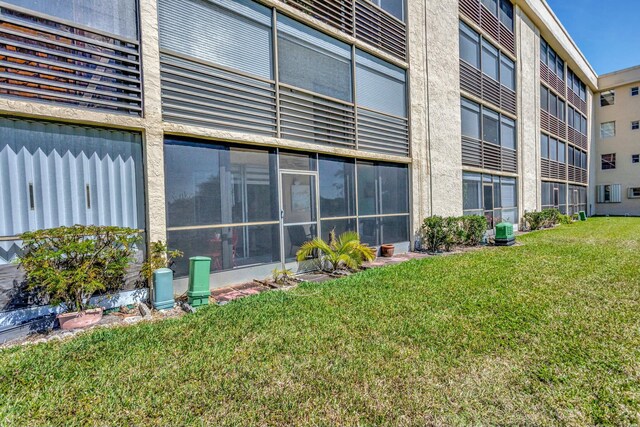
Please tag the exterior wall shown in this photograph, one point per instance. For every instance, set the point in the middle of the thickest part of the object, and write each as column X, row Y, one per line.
column 443, row 107
column 625, row 143
column 528, row 86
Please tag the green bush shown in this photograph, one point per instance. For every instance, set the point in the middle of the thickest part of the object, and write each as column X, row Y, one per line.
column 544, row 219
column 565, row 219
column 473, row 228
column 159, row 257
column 443, row 233
column 70, row 264
column 433, row 233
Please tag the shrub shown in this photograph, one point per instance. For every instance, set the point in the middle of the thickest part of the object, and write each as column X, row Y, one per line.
column 539, row 220
column 434, row 233
column 70, row 264
column 473, row 229
column 345, row 251
column 565, row 219
column 159, row 257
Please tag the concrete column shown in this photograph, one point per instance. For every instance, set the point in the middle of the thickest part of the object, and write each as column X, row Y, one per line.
column 444, row 134
column 528, row 87
column 153, row 133
column 420, row 186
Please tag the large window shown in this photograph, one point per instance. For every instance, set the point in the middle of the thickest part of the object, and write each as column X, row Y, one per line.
column 607, row 130
column 222, row 202
column 576, row 120
column 494, row 128
column 551, row 59
column 492, row 196
column 482, row 55
column 234, row 34
column 54, row 174
column 503, row 9
column 577, row 199
column 118, row 17
column 575, row 84
column 383, row 202
column 380, row 85
column 311, row 60
column 552, row 103
column 554, row 195
column 553, row 149
column 610, row 193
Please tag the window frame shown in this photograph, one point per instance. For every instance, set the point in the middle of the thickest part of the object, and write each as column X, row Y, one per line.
column 608, row 161
column 607, row 98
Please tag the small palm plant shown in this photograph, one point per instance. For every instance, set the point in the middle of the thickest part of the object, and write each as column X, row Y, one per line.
column 346, row 251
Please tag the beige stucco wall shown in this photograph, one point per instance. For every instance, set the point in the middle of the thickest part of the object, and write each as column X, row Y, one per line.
column 528, row 88
column 420, row 188
column 625, row 143
column 444, row 136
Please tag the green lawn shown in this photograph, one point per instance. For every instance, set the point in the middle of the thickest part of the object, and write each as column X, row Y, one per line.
column 545, row 333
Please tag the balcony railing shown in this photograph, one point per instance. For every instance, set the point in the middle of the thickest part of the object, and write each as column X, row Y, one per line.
column 49, row 60
column 382, row 133
column 484, row 87
column 201, row 94
column 553, row 170
column 361, row 19
column 485, row 155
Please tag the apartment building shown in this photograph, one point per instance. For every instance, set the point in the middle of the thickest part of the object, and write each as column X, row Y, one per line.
column 238, row 129
column 618, row 143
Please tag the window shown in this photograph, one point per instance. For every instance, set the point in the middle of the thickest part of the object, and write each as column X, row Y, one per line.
column 506, row 14
column 507, row 73
column 394, row 7
column 607, row 98
column 492, row 5
column 337, row 187
column 561, row 152
column 571, row 156
column 383, row 189
column 380, row 86
column 634, row 91
column 553, row 149
column 554, row 195
column 609, row 193
column 633, row 193
column 607, row 130
column 245, row 22
column 570, row 116
column 112, row 16
column 469, row 45
column 544, row 146
column 635, row 158
column 635, row 125
column 560, row 68
column 507, row 133
column 552, row 60
column 490, row 60
column 494, row 197
column 608, row 161
column 311, row 60
column 544, row 98
column 470, row 119
column 490, row 127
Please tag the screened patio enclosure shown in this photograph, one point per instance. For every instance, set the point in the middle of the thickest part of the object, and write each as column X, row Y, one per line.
column 246, row 206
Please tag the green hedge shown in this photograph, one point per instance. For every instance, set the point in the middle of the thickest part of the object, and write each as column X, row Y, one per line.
column 442, row 233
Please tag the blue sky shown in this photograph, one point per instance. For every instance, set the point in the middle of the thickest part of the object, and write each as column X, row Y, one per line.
column 607, row 31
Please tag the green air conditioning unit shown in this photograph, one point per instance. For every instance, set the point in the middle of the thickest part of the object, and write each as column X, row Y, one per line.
column 504, row 234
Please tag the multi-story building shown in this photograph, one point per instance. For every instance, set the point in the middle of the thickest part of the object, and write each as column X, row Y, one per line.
column 618, row 143
column 238, row 129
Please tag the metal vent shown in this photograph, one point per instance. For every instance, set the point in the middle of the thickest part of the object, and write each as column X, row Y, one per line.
column 375, row 26
column 337, row 13
column 204, row 95
column 488, row 156
column 382, row 133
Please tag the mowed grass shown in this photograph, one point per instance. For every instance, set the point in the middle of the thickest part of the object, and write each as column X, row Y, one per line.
column 547, row 333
